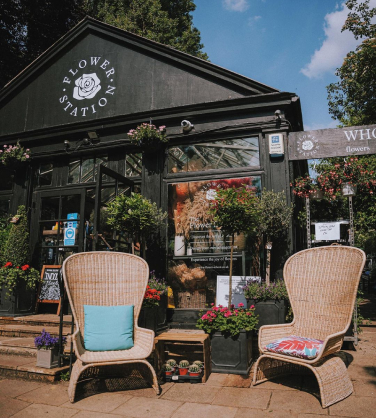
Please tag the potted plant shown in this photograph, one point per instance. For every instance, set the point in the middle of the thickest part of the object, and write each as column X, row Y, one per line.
column 136, row 215
column 274, row 221
column 172, row 363
column 183, row 367
column 12, row 156
column 18, row 279
column 154, row 306
column 230, row 331
column 167, row 369
column 235, row 211
column 271, row 301
column 148, row 136
column 48, row 350
column 194, row 370
column 199, row 363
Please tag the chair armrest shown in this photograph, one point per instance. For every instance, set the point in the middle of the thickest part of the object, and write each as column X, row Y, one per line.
column 144, row 338
column 332, row 344
column 270, row 333
column 77, row 344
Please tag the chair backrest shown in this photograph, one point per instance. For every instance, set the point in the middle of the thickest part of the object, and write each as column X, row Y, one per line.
column 322, row 284
column 106, row 279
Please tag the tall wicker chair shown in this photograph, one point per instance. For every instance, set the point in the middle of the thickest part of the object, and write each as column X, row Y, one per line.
column 322, row 285
column 106, row 279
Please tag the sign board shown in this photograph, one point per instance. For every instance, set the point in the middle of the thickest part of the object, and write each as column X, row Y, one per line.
column 69, row 236
column 238, row 282
column 49, row 288
column 340, row 142
column 276, row 147
column 329, row 231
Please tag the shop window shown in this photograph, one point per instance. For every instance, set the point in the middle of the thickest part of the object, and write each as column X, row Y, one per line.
column 228, row 153
column 45, row 174
column 198, row 251
column 84, row 170
column 6, row 180
column 133, row 165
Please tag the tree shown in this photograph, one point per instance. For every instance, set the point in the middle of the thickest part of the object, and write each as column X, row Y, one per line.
column 352, row 99
column 164, row 21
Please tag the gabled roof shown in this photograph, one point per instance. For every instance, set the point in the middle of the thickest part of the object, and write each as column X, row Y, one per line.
column 129, row 73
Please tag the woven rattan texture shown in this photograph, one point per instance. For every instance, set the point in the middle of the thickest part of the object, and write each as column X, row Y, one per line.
column 322, row 284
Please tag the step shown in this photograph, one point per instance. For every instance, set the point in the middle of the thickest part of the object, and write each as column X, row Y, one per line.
column 28, row 330
column 38, row 319
column 24, row 367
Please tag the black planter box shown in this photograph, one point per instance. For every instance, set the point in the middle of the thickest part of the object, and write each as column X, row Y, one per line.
column 231, row 354
column 270, row 312
column 20, row 303
column 183, row 318
column 154, row 318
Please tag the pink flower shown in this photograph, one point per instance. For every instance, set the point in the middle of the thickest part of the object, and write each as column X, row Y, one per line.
column 252, row 307
column 27, row 156
column 241, row 305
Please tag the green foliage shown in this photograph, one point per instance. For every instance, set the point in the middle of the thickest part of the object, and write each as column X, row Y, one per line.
column 351, row 99
column 304, row 186
column 65, row 376
column 235, row 210
column 136, row 215
column 164, row 21
column 5, row 228
column 11, row 155
column 147, row 134
column 228, row 320
column 184, row 363
column 275, row 214
column 16, row 249
column 194, row 368
column 262, row 292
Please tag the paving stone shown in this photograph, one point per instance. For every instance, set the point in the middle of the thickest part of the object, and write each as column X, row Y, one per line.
column 299, row 402
column 47, row 394
column 242, row 398
column 354, row 406
column 40, row 411
column 238, row 381
column 361, row 371
column 364, row 388
column 101, row 402
column 147, row 407
column 150, row 392
column 186, row 392
column 92, row 414
column 216, row 379
column 207, row 411
column 14, row 388
column 260, row 413
column 9, row 406
column 12, row 362
column 289, row 382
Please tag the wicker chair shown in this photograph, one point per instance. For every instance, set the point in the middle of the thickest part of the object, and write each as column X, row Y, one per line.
column 107, row 279
column 322, row 285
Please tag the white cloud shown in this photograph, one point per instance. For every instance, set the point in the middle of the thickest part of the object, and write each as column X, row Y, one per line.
column 335, row 46
column 252, row 20
column 236, row 5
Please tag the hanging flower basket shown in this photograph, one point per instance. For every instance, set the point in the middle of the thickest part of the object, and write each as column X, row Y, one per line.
column 148, row 137
column 14, row 156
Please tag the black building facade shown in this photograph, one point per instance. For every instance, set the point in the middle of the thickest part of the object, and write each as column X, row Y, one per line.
column 73, row 108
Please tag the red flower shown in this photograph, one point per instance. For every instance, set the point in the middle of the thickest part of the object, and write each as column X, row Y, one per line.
column 25, row 267
column 8, row 264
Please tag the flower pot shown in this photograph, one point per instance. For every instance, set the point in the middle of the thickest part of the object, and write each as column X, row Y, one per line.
column 183, row 371
column 21, row 302
column 270, row 312
column 231, row 354
column 148, row 318
column 169, row 373
column 179, row 245
column 48, row 358
column 194, row 374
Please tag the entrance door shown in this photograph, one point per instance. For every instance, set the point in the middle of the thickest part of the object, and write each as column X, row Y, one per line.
column 57, row 228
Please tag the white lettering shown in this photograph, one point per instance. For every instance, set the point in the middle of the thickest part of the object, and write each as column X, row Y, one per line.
column 105, row 63
column 373, row 133
column 69, row 104
column 73, row 73
column 109, row 72
column 83, row 110
column 110, row 90
column 94, row 111
column 104, row 103
column 63, row 99
column 362, row 134
column 357, row 149
column 66, row 80
column 74, row 112
column 95, row 60
column 83, row 65
column 351, row 135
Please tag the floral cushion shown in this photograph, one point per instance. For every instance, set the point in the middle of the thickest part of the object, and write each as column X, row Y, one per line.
column 306, row 348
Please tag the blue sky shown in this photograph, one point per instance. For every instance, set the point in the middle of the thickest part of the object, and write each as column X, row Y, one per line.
column 292, row 45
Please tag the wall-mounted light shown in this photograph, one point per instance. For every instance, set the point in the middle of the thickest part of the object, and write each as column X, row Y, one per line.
column 187, row 126
column 93, row 136
column 278, row 114
column 67, row 144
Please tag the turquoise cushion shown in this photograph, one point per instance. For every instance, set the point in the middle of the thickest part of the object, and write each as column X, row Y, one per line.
column 108, row 328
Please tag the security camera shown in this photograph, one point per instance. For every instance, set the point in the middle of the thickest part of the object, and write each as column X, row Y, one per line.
column 187, row 126
column 66, row 144
column 278, row 114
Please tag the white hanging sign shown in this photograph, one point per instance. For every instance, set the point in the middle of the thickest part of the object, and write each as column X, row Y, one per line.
column 238, row 282
column 329, row 231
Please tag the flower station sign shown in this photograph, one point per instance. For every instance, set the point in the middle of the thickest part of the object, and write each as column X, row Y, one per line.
column 87, row 86
column 341, row 142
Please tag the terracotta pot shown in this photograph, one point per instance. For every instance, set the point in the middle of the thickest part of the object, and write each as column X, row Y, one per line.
column 183, row 371
column 194, row 374
column 169, row 373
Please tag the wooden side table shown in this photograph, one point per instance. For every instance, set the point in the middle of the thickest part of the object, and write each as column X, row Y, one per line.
column 181, row 337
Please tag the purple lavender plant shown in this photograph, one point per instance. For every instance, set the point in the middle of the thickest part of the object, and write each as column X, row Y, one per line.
column 46, row 341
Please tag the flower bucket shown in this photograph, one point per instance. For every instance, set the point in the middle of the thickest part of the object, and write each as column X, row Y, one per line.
column 179, row 246
column 183, row 371
column 48, row 358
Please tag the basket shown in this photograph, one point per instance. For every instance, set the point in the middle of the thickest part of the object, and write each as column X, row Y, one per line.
column 192, row 299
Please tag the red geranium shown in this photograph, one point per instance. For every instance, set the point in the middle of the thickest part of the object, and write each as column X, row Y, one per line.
column 25, row 267
column 8, row 264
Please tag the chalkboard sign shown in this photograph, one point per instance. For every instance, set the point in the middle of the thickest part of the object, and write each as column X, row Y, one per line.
column 49, row 289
